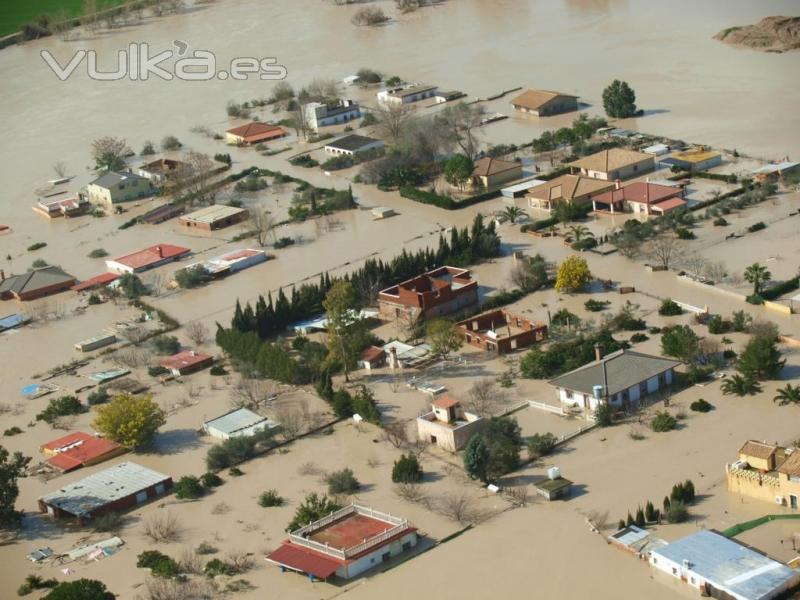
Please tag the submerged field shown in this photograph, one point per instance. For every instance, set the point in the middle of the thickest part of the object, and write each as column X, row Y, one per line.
column 13, row 15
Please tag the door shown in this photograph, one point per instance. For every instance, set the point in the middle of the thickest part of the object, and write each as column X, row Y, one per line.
column 792, row 501
column 141, row 497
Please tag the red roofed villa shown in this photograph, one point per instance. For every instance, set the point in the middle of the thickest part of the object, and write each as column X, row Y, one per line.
column 149, row 258
column 187, row 361
column 346, row 543
column 253, row 133
column 439, row 292
column 640, row 197
column 78, row 450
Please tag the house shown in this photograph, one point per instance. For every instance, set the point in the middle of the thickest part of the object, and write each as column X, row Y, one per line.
column 639, row 197
column 231, row 262
column 162, row 213
column 449, row 96
column 656, row 149
column 620, row 378
column 345, row 543
column 163, row 171
column 636, row 541
column 318, row 114
column 443, row 291
column 544, row 103
column 35, row 284
column 149, row 258
column 573, row 189
column 66, row 207
column 699, row 158
column 96, row 282
column 407, row 94
column 491, row 172
column 13, row 321
column 373, row 357
column 187, row 361
column 320, row 322
column 500, row 331
column 115, row 187
column 95, row 342
column 554, row 486
column 721, row 567
column 767, row 472
column 120, row 487
column 350, row 145
column 614, row 163
column 448, row 425
column 520, row 189
column 76, row 450
column 254, row 133
column 216, row 216
column 240, row 422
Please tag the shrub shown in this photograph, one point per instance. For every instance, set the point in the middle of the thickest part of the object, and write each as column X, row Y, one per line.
column 107, row 523
column 283, row 242
column 663, row 421
column 98, row 253
column 192, row 277
column 157, row 371
column 336, row 163
column 677, row 512
column 684, row 234
column 160, row 565
column 166, row 344
column 541, row 444
column 584, row 244
column 188, row 487
column 36, row 246
column 210, row 480
column 218, row 370
column 170, row 143
column 98, row 396
column 235, row 472
column 94, row 299
column 311, row 509
column 369, row 16
column 34, row 582
column 304, row 160
column 216, row 567
column 604, row 415
column 729, row 354
column 407, row 470
column 223, row 158
column 757, row 227
column 593, row 305
column 701, row 406
column 669, row 308
column 720, row 222
column 12, row 431
column 637, row 338
column 61, row 407
column 270, row 498
column 342, row 482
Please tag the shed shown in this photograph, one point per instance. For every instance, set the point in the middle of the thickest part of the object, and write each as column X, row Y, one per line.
column 187, row 361
column 13, row 321
column 520, row 189
column 240, row 422
column 383, row 212
column 95, row 342
column 553, row 489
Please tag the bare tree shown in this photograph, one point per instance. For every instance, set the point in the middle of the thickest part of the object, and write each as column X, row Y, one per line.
column 163, row 527
column 461, row 122
column 263, row 224
column 716, row 271
column 251, row 392
column 457, row 506
column 695, row 263
column 193, row 178
column 517, row 496
column 411, row 492
column 109, row 152
column 392, row 121
column 191, row 562
column 484, row 397
column 664, row 248
column 196, row 332
column 291, row 421
column 136, row 334
column 396, row 434
column 154, row 281
column 320, row 90
column 130, row 357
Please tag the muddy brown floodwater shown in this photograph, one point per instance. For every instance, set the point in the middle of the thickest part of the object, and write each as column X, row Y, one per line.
column 690, row 86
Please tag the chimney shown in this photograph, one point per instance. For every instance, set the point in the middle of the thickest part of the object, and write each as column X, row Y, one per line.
column 598, row 352
column 393, row 357
column 160, row 252
column 617, row 184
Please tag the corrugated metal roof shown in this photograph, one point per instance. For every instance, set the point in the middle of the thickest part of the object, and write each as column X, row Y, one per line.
column 728, row 565
column 236, row 420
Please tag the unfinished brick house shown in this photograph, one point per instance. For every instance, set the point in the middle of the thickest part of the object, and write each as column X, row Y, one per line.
column 442, row 291
column 500, row 331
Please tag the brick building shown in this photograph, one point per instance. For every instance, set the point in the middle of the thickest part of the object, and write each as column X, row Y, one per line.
column 501, row 331
column 443, row 291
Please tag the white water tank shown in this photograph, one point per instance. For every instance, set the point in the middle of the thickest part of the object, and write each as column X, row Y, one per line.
column 597, row 390
column 553, row 473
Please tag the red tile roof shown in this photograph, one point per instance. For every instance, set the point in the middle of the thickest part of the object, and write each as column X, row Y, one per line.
column 184, row 359
column 152, row 255
column 670, row 203
column 372, row 354
column 639, row 191
column 305, row 560
column 445, row 402
column 95, row 282
column 256, row 131
column 77, row 449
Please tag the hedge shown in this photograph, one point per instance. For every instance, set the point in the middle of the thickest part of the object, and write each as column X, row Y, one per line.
column 445, row 202
column 779, row 290
column 747, row 525
column 550, row 221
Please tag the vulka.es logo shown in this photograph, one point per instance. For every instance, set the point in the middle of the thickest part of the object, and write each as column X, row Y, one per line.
column 138, row 64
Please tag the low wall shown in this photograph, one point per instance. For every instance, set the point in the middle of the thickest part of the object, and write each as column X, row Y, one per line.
column 779, row 308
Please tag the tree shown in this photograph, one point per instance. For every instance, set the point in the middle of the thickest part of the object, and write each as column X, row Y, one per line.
column 663, row 248
column 346, row 330
column 109, row 153
column 573, row 274
column 196, row 332
column 604, row 414
column 192, row 277
column 619, row 100
column 740, row 386
column 512, row 213
column 193, row 178
column 392, row 121
column 788, row 395
column 82, row 589
column 343, row 482
column 311, row 509
column 263, row 224
column 131, row 286
column 188, row 487
column 757, row 275
column 458, row 169
column 663, row 421
column 459, row 124
column 171, row 143
column 579, row 232
column 504, row 439
column 406, row 469
column 476, row 457
column 130, row 420
column 541, row 444
column 680, row 342
column 445, row 337
column 12, row 467
column 760, row 359
column 530, row 273
column 484, row 397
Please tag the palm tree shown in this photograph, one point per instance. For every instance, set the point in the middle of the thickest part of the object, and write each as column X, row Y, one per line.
column 740, row 386
column 757, row 274
column 580, row 231
column 512, row 213
column 788, row 395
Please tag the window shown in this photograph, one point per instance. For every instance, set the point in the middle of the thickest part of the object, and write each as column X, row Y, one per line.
column 569, row 394
column 406, row 546
column 674, row 571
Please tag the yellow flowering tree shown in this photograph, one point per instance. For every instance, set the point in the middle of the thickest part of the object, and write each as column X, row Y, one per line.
column 130, row 420
column 573, row 275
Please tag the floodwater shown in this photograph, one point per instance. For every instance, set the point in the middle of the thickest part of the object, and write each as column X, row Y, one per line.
column 690, row 86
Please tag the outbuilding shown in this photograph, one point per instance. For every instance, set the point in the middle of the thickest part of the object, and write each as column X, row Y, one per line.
column 149, row 258
column 95, row 342
column 216, row 216
column 241, row 422
column 254, row 133
column 353, row 144
column 187, row 361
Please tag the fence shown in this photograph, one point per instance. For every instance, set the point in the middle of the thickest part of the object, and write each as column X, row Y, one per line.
column 559, row 410
column 747, row 525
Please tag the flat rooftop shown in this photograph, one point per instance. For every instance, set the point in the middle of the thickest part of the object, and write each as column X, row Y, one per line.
column 350, row 531
column 213, row 213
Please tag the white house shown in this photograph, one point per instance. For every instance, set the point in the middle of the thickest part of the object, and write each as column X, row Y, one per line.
column 318, row 114
column 353, row 144
column 721, row 567
column 407, row 94
column 113, row 187
column 238, row 423
column 621, row 378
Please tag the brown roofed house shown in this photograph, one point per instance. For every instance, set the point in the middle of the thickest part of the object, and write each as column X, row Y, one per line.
column 544, row 103
column 573, row 189
column 760, row 455
column 490, row 172
column 35, row 284
column 254, row 133
column 641, row 198
column 614, row 163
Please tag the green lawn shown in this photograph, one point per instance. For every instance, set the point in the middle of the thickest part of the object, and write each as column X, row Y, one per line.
column 15, row 13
